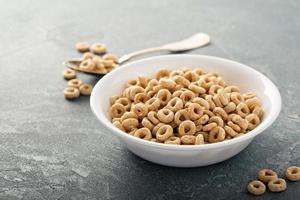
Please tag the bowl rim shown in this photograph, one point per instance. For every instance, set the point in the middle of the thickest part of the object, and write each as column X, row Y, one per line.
column 272, row 116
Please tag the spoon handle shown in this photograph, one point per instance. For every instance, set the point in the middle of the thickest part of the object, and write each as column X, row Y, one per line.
column 127, row 57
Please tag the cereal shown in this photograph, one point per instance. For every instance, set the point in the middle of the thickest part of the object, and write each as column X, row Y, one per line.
column 85, row 89
column 74, row 83
column 293, row 173
column 87, row 64
column 256, row 188
column 182, row 107
column 267, row 175
column 71, row 93
column 69, row 74
column 111, row 57
column 98, row 48
column 277, row 185
column 82, row 46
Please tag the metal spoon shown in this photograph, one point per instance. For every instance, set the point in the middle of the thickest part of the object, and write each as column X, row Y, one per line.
column 196, row 41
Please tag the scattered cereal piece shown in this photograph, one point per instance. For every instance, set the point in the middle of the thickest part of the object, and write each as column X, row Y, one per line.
column 82, row 47
column 293, row 173
column 85, row 89
column 267, row 175
column 74, row 83
column 98, row 48
column 112, row 57
column 69, row 74
column 256, row 187
column 277, row 185
column 71, row 93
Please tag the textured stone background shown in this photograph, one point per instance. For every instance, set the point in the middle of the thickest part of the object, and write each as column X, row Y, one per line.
column 51, row 148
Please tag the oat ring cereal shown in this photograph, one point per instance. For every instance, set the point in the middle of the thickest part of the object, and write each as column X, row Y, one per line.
column 71, row 93
column 267, row 175
column 293, row 173
column 69, row 74
column 256, row 188
column 277, row 185
column 164, row 132
column 183, row 106
column 85, row 89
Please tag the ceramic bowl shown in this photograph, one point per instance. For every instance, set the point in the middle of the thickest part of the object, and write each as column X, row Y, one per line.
column 232, row 72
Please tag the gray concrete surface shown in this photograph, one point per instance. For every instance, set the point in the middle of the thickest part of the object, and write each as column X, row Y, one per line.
column 51, row 148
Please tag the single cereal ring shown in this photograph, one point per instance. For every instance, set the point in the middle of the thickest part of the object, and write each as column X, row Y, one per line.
column 237, row 119
column 69, row 74
column 143, row 81
column 134, row 90
column 180, row 116
column 155, row 129
column 217, row 134
column 253, row 121
column 277, row 185
column 152, row 116
column 162, row 73
column 132, row 82
column 130, row 124
column 125, row 102
column 253, row 102
column 232, row 88
column 202, row 102
column 74, row 83
column 198, row 71
column 293, row 173
column 140, row 109
column 249, row 95
column 199, row 127
column 236, row 98
column 188, row 139
column 220, row 112
column 229, row 131
column 165, row 115
column 258, row 111
column 218, row 120
column 143, row 133
column 234, row 126
column 196, row 88
column 191, row 76
column 187, row 96
column 199, row 139
column 256, row 188
column 147, row 123
column 71, row 93
column 175, row 104
column 187, row 127
column 117, row 110
column 118, row 125
column 223, row 97
column 214, row 89
column 181, row 81
column 242, row 109
column 98, row 48
column 88, row 55
column 204, row 134
column 85, row 89
column 209, row 113
column 203, row 120
column 217, row 101
column 87, row 64
column 195, row 111
column 164, row 132
column 108, row 64
column 82, row 47
column 128, row 115
column 164, row 96
column 267, row 175
column 173, row 140
column 176, row 73
column 230, row 107
column 151, row 84
column 141, row 98
column 153, row 104
column 111, row 57
column 167, row 83
column 209, row 99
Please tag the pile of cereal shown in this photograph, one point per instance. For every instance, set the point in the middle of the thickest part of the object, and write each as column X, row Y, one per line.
column 92, row 62
column 185, row 106
column 275, row 184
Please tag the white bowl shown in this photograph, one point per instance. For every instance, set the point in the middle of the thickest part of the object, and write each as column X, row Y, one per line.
column 234, row 73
